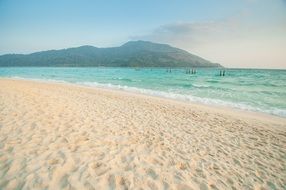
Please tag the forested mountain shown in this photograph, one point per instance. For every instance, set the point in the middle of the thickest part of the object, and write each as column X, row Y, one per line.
column 130, row 54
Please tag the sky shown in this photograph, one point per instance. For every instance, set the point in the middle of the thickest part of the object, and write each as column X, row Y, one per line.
column 234, row 33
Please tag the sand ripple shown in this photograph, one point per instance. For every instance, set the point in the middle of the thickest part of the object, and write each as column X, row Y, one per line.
column 67, row 137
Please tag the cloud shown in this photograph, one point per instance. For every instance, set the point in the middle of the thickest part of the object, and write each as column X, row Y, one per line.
column 236, row 42
column 196, row 33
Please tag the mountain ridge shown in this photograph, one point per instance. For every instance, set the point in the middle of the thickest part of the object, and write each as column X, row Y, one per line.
column 131, row 54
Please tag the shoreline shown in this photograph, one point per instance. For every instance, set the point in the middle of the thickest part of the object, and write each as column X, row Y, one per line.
column 216, row 107
column 58, row 136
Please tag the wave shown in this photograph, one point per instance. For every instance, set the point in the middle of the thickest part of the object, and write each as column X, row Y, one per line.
column 169, row 95
column 187, row 98
column 201, row 86
column 125, row 79
column 40, row 79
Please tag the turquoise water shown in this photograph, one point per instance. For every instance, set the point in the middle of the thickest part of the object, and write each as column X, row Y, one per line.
column 248, row 89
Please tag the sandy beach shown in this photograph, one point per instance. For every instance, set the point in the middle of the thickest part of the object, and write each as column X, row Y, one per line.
column 59, row 136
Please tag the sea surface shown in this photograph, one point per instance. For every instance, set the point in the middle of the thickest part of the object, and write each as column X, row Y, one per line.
column 247, row 89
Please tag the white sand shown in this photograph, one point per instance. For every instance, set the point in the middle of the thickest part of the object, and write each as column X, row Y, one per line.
column 55, row 136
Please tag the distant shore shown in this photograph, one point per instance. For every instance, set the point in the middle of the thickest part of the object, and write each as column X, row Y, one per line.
column 67, row 136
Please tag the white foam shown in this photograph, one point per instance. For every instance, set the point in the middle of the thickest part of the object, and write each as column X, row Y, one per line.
column 170, row 95
column 201, row 85
column 189, row 98
column 40, row 80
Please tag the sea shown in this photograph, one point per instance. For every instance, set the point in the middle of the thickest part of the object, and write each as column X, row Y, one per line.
column 257, row 90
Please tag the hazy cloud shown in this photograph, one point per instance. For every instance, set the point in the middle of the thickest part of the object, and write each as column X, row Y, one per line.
column 195, row 34
column 253, row 37
column 234, row 42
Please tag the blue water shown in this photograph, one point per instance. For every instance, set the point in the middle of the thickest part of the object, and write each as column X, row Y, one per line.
column 248, row 89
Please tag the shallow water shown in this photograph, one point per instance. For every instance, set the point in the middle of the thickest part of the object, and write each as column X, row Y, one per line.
column 248, row 89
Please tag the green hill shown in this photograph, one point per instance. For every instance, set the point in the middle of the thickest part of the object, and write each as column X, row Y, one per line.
column 131, row 54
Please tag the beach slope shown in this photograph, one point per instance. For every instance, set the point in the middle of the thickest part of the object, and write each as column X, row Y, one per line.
column 59, row 136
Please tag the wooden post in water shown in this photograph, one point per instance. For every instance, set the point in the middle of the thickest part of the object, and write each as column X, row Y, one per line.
column 222, row 73
column 187, row 71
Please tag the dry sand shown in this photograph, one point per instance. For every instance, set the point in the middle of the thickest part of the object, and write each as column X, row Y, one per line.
column 56, row 136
